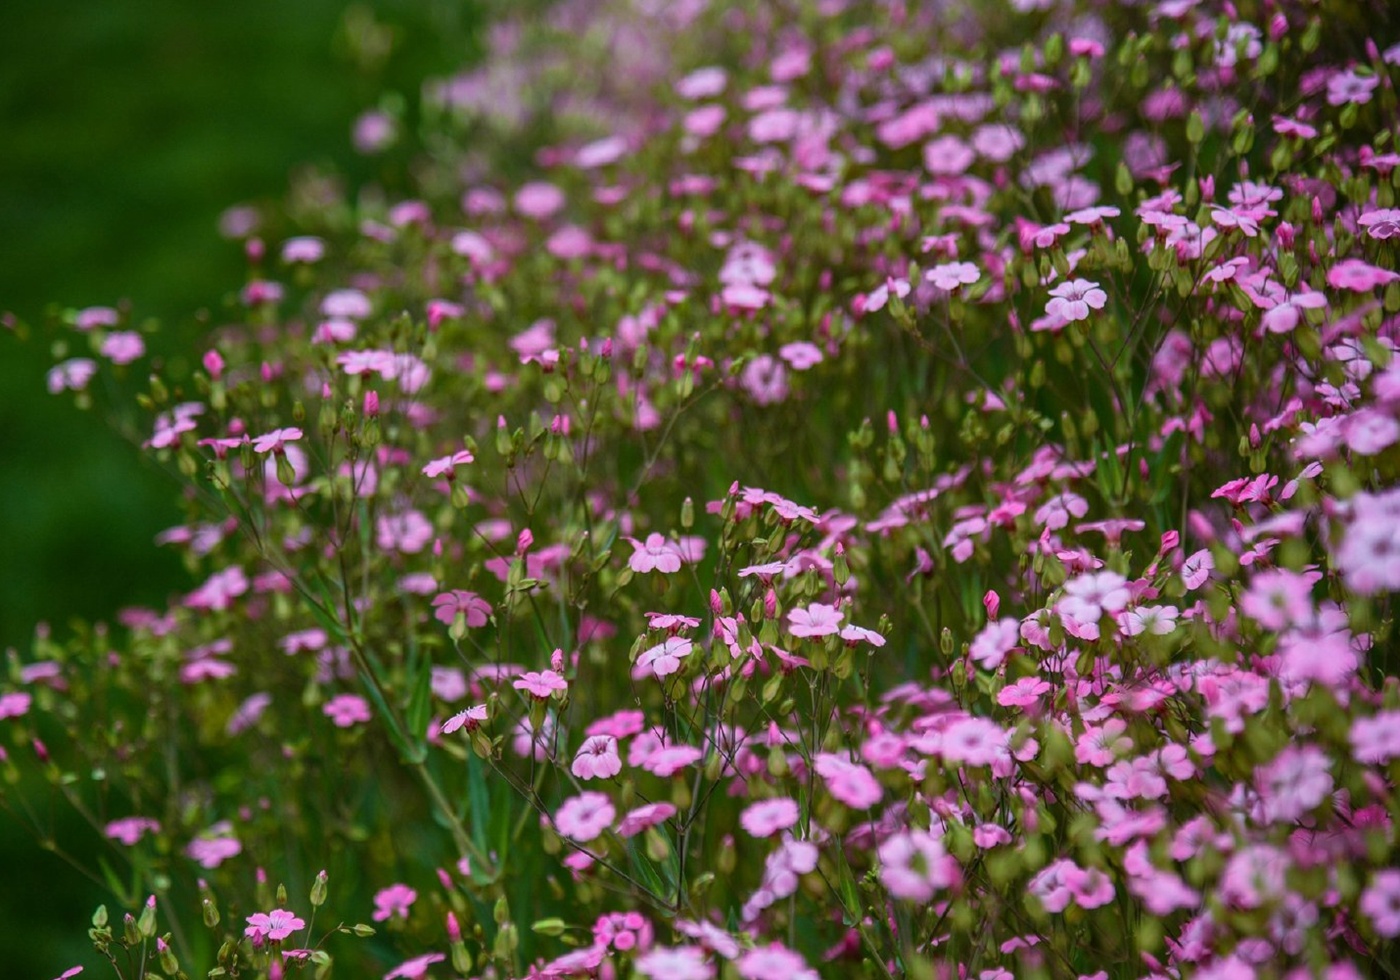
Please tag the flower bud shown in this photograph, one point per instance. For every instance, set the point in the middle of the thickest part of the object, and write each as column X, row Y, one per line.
column 318, row 890
column 214, row 364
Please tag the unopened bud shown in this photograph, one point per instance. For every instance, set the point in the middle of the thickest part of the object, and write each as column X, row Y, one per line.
column 371, row 403
column 454, row 930
column 214, row 364
column 318, row 890
column 992, row 603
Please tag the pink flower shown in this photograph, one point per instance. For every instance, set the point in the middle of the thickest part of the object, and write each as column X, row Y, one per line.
column 129, row 830
column 849, row 782
column 1376, row 740
column 951, row 275
column 678, row 963
column 768, row 817
column 15, row 704
column 765, row 379
column 416, row 968
column 408, row 532
column 1074, row 299
column 1358, row 276
column 71, row 375
column 597, row 758
column 990, row 647
column 122, row 346
column 801, row 355
column 395, row 900
column 275, row 441
column 540, row 684
column 447, row 606
column 1196, row 569
column 973, row 742
column 664, row 659
column 445, row 465
column 654, row 554
column 1294, row 784
column 774, row 962
column 644, row 816
column 582, row 818
column 1382, row 223
column 671, row 759
column 1349, row 87
column 469, row 718
column 1278, row 598
column 275, row 926
column 347, row 710
column 1380, row 902
column 1090, row 887
column 818, row 619
column 914, row 865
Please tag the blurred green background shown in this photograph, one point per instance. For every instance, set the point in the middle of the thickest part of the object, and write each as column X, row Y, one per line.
column 126, row 128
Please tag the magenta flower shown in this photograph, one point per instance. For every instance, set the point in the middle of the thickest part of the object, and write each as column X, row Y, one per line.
column 273, row 926
column 582, row 818
column 347, row 710
column 597, row 758
column 395, row 900
column 1376, row 740
column 654, row 554
column 818, row 619
column 1074, row 299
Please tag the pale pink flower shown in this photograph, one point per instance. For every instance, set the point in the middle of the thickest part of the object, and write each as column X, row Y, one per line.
column 950, row 275
column 675, row 963
column 582, row 818
column 597, row 758
column 848, row 781
column 818, row 619
column 1376, row 740
column 445, row 465
column 347, row 710
column 647, row 815
column 408, row 532
column 1380, row 902
column 768, row 817
column 914, row 866
column 1074, row 299
column 665, row 658
column 469, row 718
column 654, row 554
column 1294, row 783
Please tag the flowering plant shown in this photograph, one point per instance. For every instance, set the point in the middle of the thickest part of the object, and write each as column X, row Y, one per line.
column 896, row 491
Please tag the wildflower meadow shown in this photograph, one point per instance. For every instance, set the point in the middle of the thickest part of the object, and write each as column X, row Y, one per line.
column 801, row 488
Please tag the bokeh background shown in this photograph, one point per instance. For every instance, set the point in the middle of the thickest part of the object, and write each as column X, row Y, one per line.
column 126, row 128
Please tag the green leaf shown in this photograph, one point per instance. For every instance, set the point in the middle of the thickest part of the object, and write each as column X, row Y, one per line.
column 420, row 703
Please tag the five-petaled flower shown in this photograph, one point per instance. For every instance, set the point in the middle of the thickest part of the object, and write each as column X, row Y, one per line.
column 273, row 926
